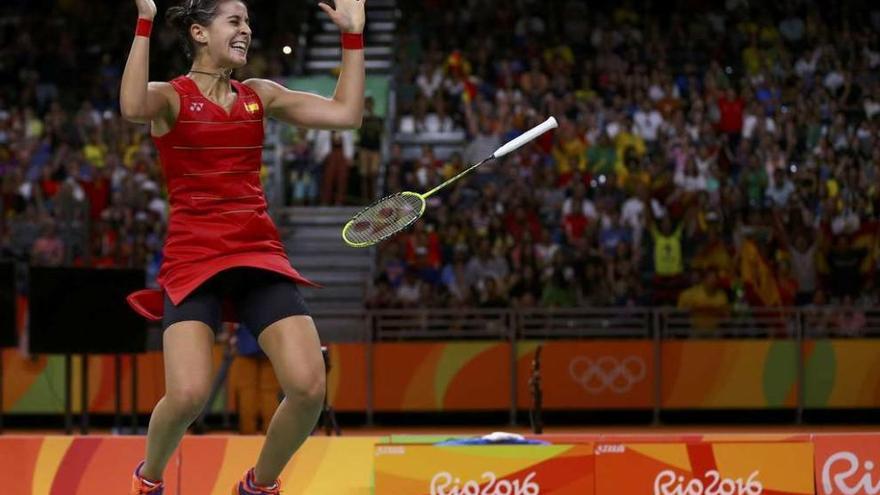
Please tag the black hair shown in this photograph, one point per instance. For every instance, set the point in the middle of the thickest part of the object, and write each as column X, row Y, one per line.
column 182, row 17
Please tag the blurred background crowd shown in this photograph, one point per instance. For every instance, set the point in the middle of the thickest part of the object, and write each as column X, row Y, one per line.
column 720, row 160
column 79, row 186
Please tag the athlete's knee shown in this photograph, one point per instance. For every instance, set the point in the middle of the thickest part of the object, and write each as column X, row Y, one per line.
column 308, row 388
column 188, row 401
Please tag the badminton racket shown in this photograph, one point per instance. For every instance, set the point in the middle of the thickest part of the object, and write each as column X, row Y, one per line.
column 396, row 212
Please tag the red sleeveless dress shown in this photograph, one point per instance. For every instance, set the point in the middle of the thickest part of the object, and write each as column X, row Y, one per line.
column 218, row 219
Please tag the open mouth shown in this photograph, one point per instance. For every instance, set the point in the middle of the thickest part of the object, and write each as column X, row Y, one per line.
column 240, row 47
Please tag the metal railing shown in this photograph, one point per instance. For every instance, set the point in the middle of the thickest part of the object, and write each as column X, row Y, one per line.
column 579, row 323
column 599, row 322
column 754, row 323
column 403, row 324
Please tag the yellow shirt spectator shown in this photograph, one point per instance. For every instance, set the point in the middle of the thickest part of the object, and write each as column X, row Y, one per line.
column 751, row 56
column 624, row 141
column 564, row 52
column 833, row 188
column 94, row 153
column 667, row 253
column 707, row 303
column 570, row 155
column 627, row 140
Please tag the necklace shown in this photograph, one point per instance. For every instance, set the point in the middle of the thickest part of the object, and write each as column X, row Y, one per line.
column 226, row 74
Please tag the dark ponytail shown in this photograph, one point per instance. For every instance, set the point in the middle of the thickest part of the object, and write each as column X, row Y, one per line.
column 182, row 17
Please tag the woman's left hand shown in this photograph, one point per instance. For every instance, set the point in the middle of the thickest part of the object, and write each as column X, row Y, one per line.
column 349, row 15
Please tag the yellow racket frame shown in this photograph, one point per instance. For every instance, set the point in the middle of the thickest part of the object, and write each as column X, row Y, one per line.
column 354, row 219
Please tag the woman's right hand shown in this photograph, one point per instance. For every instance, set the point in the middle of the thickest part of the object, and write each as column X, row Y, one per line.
column 146, row 8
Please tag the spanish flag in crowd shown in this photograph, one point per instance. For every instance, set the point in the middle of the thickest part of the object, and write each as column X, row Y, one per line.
column 459, row 68
column 757, row 275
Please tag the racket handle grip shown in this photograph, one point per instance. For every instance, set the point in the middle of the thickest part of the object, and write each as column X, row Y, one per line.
column 526, row 137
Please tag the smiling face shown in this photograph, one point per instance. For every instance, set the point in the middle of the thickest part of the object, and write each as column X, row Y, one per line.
column 225, row 41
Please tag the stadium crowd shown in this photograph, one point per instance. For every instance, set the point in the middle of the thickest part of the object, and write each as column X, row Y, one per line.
column 723, row 159
column 79, row 186
column 720, row 160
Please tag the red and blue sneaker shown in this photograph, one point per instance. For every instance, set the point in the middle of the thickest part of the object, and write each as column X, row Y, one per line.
column 248, row 486
column 143, row 486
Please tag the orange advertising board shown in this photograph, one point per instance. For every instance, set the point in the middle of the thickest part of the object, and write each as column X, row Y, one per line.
column 212, row 465
column 701, row 468
column 43, row 465
column 347, row 380
column 442, row 376
column 484, row 470
column 847, row 464
column 841, row 373
column 585, row 374
column 721, row 374
column 206, row 465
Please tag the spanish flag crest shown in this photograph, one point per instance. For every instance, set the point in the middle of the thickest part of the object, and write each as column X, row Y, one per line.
column 252, row 107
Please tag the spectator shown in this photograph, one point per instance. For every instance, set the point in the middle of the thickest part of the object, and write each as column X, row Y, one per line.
column 850, row 321
column 484, row 142
column 781, row 189
column 706, row 301
column 381, row 295
column 668, row 261
column 48, row 249
column 335, row 150
column 525, row 288
column 614, row 234
column 843, row 264
column 454, row 278
column 369, row 158
column 558, row 291
column 569, row 153
column 490, row 294
column 303, row 172
column 409, row 292
column 787, row 283
column 730, row 107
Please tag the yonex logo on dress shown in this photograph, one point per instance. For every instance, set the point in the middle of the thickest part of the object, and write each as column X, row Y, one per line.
column 196, row 106
column 607, row 373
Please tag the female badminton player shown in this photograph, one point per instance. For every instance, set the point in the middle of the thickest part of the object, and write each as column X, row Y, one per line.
column 223, row 259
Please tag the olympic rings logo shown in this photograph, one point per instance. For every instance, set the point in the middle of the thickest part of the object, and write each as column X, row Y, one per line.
column 607, row 373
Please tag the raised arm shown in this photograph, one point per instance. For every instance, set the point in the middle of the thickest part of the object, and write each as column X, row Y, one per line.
column 140, row 101
column 345, row 110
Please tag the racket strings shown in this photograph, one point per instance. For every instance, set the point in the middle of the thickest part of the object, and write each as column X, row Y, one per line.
column 384, row 219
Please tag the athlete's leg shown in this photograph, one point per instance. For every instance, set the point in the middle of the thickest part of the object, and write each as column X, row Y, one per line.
column 188, row 368
column 272, row 307
column 293, row 347
column 187, row 342
column 270, row 391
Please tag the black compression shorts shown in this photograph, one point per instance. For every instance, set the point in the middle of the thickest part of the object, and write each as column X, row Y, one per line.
column 260, row 298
